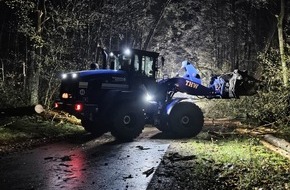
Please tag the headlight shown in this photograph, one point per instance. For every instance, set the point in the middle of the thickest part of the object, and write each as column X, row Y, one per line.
column 74, row 75
column 64, row 76
column 148, row 97
column 127, row 52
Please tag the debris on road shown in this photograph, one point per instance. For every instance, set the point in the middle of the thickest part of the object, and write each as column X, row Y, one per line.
column 65, row 158
column 149, row 172
column 128, row 177
column 142, row 148
column 177, row 157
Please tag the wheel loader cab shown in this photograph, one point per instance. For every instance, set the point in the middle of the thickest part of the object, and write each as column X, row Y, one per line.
column 135, row 62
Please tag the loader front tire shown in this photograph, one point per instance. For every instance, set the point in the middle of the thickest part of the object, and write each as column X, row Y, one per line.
column 185, row 120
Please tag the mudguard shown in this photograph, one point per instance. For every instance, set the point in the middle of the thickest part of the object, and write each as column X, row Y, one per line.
column 170, row 105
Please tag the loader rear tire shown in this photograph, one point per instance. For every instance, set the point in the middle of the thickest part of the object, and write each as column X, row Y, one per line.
column 186, row 120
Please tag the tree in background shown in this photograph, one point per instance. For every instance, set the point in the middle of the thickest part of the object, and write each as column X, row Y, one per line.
column 18, row 32
column 35, row 64
column 49, row 37
column 218, row 35
column 280, row 19
column 270, row 106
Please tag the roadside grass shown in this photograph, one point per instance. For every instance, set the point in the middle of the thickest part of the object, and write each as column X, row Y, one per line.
column 21, row 129
column 245, row 163
column 235, row 162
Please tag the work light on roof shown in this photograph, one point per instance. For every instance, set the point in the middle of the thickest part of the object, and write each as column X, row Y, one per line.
column 127, row 52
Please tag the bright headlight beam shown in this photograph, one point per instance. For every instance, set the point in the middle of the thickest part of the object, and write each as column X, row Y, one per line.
column 74, row 75
column 64, row 76
column 127, row 52
column 148, row 97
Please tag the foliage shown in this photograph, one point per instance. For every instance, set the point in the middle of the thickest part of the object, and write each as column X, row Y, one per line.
column 243, row 163
column 272, row 103
column 216, row 108
column 212, row 34
column 7, row 90
column 17, row 130
column 70, row 33
column 217, row 35
column 270, row 106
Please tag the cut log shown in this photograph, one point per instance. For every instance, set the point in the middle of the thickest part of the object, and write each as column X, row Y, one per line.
column 281, row 143
column 259, row 131
column 276, row 149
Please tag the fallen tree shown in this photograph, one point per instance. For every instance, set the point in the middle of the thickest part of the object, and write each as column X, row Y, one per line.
column 60, row 116
column 38, row 109
column 281, row 143
column 265, row 134
column 276, row 149
column 277, row 145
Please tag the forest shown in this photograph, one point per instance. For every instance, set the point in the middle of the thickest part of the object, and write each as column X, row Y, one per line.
column 40, row 39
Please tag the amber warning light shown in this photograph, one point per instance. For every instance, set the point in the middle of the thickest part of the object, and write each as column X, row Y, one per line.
column 65, row 96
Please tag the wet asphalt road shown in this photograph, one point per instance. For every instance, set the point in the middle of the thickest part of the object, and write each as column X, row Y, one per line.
column 85, row 163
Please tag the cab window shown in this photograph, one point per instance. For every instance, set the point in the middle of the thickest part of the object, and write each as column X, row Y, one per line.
column 147, row 63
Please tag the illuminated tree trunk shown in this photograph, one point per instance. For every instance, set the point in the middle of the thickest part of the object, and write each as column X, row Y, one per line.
column 36, row 57
column 156, row 23
column 281, row 43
